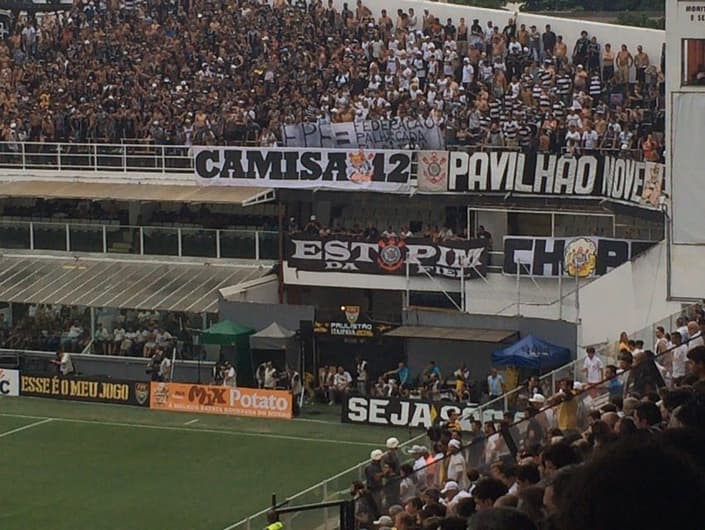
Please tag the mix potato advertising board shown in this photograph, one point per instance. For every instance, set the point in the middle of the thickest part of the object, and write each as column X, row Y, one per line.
column 252, row 402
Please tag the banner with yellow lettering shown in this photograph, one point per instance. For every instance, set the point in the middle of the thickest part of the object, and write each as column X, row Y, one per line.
column 95, row 388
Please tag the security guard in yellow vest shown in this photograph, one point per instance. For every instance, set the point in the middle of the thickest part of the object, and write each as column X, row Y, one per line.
column 273, row 521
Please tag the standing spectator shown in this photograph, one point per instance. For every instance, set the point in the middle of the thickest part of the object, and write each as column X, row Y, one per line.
column 63, row 362
column 549, row 42
column 456, row 463
column 374, row 477
column 641, row 63
column 495, row 384
column 592, row 367
column 608, row 59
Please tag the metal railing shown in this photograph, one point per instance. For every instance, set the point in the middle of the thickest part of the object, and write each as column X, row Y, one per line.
column 145, row 157
column 334, row 488
column 125, row 158
column 260, row 245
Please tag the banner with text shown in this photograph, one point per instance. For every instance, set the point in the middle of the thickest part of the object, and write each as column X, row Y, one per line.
column 96, row 389
column 395, row 412
column 585, row 176
column 9, row 382
column 342, row 253
column 305, row 168
column 582, row 256
column 253, row 402
column 396, row 133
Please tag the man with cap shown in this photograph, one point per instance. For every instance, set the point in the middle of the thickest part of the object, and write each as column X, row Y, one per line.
column 384, row 523
column 373, row 476
column 452, row 494
column 419, row 454
column 456, row 462
column 391, row 457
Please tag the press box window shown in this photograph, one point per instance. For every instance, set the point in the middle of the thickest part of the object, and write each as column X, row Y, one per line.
column 693, row 62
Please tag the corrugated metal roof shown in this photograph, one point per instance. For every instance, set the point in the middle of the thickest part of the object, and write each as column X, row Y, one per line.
column 132, row 192
column 121, row 284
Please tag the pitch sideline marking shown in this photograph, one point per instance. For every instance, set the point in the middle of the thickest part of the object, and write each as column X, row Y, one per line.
column 25, row 427
column 183, row 429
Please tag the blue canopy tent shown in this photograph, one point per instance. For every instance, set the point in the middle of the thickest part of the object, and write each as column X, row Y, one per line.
column 532, row 353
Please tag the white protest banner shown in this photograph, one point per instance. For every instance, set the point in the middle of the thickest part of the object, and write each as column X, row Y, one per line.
column 304, row 168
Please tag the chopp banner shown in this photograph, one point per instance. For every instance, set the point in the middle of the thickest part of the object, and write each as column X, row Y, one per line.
column 341, row 253
column 9, row 382
column 305, row 168
column 398, row 412
column 261, row 403
column 395, row 133
column 96, row 389
column 581, row 256
column 585, row 176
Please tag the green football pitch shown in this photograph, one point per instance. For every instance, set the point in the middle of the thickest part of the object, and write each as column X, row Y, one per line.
column 68, row 465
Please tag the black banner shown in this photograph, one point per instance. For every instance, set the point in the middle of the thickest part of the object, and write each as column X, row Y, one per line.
column 341, row 253
column 95, row 389
column 578, row 176
column 398, row 412
column 584, row 256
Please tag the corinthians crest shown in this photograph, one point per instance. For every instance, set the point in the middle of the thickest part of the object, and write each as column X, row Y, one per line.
column 391, row 254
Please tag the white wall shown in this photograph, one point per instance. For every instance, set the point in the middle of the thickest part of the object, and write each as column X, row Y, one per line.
column 631, row 297
column 687, row 281
column 651, row 39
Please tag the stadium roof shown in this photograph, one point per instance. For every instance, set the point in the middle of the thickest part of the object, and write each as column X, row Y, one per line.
column 128, row 284
column 136, row 192
column 462, row 334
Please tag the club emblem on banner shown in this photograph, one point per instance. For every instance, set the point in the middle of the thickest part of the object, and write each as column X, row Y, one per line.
column 142, row 392
column 360, row 168
column 391, row 254
column 433, row 171
column 580, row 257
column 352, row 313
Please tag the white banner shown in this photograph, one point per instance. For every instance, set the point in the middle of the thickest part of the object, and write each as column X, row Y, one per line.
column 432, row 171
column 397, row 133
column 9, row 382
column 341, row 169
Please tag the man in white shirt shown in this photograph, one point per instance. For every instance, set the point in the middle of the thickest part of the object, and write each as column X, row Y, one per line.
column 680, row 358
column 270, row 376
column 63, row 361
column 164, row 367
column 229, row 375
column 592, row 367
column 456, row 462
column 696, row 337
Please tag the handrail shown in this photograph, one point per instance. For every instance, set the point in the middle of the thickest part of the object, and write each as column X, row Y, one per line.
column 182, row 241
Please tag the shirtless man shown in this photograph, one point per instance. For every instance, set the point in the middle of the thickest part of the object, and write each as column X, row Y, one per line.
column 624, row 63
column 641, row 62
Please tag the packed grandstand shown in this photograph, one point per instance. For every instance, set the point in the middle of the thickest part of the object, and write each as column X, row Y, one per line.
column 182, row 73
column 614, row 443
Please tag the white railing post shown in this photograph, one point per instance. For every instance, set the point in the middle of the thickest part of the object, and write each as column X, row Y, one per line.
column 256, row 245
column 217, row 243
column 163, row 160
column 124, row 158
column 24, row 162
column 95, row 159
column 178, row 240
column 141, row 241
column 58, row 157
column 68, row 238
column 325, row 510
column 105, row 240
column 31, row 235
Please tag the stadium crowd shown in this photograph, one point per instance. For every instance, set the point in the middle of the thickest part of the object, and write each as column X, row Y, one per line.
column 206, row 72
column 574, row 462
